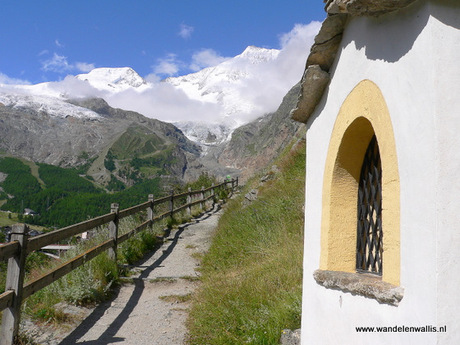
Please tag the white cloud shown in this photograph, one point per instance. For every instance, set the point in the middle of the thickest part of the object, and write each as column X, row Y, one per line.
column 164, row 102
column 298, row 35
column 295, row 47
column 4, row 79
column 84, row 67
column 186, row 31
column 206, row 58
column 59, row 44
column 277, row 77
column 58, row 63
column 73, row 87
column 152, row 78
column 169, row 65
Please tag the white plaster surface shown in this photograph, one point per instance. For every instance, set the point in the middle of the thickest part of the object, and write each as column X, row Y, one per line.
column 413, row 56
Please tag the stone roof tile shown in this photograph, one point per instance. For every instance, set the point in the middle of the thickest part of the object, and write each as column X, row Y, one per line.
column 327, row 42
column 365, row 7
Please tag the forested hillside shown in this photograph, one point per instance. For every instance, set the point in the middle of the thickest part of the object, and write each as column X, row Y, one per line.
column 62, row 196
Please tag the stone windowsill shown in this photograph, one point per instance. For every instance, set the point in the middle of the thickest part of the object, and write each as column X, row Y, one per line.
column 360, row 284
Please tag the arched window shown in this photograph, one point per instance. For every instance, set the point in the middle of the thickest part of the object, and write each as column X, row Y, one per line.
column 369, row 244
column 362, row 129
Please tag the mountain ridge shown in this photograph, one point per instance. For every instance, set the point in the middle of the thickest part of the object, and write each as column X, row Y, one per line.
column 220, row 90
column 69, row 141
column 114, row 79
column 84, row 131
column 257, row 143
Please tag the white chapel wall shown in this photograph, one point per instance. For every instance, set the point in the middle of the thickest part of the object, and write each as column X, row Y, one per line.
column 401, row 54
column 446, row 45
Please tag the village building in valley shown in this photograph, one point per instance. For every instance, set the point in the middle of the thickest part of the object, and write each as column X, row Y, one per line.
column 380, row 97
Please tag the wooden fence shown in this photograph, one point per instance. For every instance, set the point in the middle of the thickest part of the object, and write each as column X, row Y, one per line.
column 20, row 246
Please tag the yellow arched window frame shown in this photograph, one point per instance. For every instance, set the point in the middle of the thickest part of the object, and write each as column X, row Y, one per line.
column 363, row 114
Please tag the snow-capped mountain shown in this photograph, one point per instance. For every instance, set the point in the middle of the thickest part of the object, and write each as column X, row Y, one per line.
column 52, row 97
column 81, row 116
column 45, row 104
column 222, row 84
column 97, row 83
column 114, row 79
column 206, row 105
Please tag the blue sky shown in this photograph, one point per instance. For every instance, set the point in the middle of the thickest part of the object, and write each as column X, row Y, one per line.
column 47, row 40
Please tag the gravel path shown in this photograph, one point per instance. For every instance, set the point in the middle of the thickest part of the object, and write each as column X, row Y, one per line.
column 153, row 308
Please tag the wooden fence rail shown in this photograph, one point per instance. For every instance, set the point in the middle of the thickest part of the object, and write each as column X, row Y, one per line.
column 20, row 246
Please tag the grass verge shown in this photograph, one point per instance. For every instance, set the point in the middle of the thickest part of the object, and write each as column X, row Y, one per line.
column 252, row 274
column 91, row 283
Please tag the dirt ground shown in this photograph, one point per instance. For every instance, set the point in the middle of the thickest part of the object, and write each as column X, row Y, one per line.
column 151, row 308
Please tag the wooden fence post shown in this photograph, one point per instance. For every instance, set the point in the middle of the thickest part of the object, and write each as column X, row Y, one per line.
column 202, row 199
column 171, row 203
column 189, row 200
column 113, row 231
column 150, row 210
column 15, row 281
column 232, row 186
column 213, row 191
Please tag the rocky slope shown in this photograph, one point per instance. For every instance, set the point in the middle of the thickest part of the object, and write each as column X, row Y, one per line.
column 256, row 144
column 85, row 132
column 48, row 123
column 104, row 140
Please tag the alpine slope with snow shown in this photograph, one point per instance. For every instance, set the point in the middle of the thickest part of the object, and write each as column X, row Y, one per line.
column 207, row 105
column 231, row 86
column 219, row 92
column 53, row 106
column 114, row 79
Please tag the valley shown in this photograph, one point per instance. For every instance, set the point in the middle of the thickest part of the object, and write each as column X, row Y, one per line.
column 98, row 153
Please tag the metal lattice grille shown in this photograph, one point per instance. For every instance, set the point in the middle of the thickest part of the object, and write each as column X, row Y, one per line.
column 369, row 248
